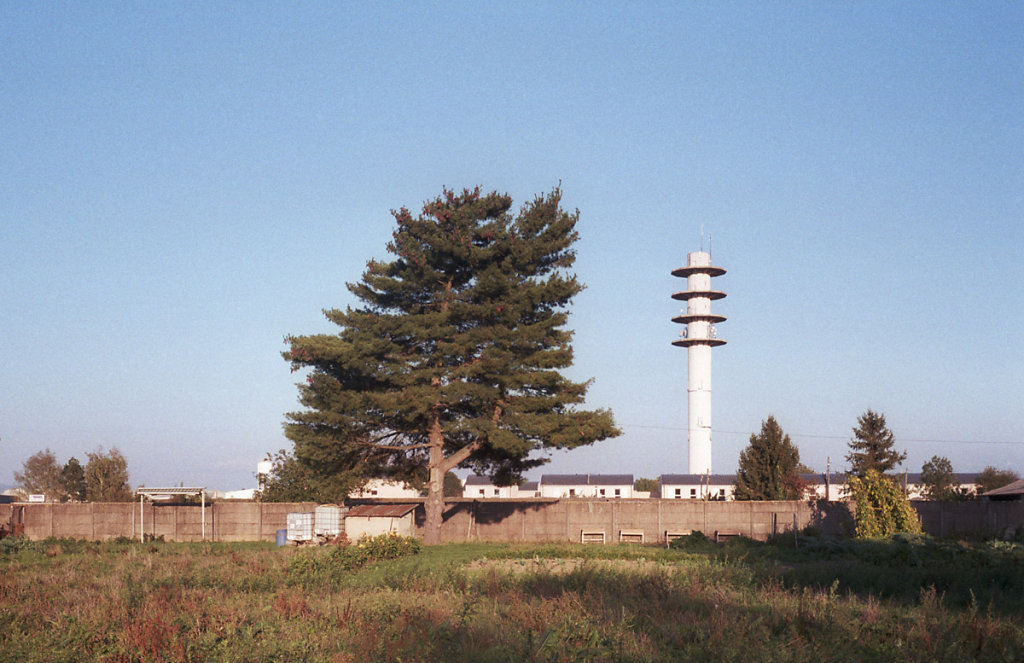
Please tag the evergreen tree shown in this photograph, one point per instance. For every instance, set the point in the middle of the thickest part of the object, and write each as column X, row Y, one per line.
column 40, row 474
column 106, row 477
column 452, row 358
column 452, row 485
column 872, row 446
column 647, row 486
column 72, row 480
column 768, row 466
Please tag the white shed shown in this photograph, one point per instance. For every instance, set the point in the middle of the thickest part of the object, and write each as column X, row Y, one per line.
column 369, row 520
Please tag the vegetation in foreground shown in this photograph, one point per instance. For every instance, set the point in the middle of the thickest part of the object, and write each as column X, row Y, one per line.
column 908, row 598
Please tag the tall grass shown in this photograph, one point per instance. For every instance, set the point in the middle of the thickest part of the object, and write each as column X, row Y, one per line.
column 126, row 602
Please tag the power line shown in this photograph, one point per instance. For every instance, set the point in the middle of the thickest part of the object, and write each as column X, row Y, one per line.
column 831, row 437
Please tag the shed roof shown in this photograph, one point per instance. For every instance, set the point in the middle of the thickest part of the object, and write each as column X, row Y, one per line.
column 381, row 510
column 1009, row 490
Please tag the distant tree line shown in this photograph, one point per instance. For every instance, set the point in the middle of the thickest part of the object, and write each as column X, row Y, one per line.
column 104, row 478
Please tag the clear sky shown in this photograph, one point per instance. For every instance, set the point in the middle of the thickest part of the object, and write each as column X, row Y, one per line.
column 184, row 184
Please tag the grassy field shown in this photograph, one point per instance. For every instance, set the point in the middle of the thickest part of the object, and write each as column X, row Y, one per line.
column 907, row 599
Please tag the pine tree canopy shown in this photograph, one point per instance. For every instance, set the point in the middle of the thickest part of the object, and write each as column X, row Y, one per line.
column 452, row 356
column 768, row 466
column 872, row 446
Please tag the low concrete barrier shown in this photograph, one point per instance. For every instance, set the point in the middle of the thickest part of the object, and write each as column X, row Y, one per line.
column 531, row 520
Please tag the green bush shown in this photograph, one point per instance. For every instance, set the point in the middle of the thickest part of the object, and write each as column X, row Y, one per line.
column 315, row 565
column 882, row 508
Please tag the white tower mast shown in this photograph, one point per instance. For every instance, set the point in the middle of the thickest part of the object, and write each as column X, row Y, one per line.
column 698, row 338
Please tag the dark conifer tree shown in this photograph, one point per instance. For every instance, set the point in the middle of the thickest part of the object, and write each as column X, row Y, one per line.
column 453, row 356
column 768, row 466
column 73, row 480
column 872, row 446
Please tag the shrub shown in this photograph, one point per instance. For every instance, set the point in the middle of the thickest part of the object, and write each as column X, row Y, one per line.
column 314, row 565
column 882, row 508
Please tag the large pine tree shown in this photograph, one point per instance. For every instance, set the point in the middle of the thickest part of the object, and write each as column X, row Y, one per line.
column 768, row 466
column 871, row 447
column 452, row 358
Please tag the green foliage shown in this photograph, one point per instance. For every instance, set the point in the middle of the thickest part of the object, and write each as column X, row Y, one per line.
column 906, row 598
column 452, row 485
column 291, row 480
column 882, row 508
column 872, row 446
column 317, row 565
column 696, row 540
column 768, row 466
column 453, row 357
column 72, row 479
column 647, row 485
column 106, row 477
column 40, row 474
column 990, row 478
column 939, row 482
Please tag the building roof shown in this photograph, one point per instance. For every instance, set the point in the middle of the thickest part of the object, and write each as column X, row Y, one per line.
column 478, row 480
column 586, row 479
column 529, row 485
column 381, row 510
column 1009, row 490
column 697, row 479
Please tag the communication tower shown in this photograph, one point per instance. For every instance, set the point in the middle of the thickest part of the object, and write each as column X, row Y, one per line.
column 698, row 338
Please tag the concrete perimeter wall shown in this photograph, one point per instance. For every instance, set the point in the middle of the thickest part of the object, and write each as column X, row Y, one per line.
column 568, row 519
column 225, row 521
column 977, row 518
column 506, row 520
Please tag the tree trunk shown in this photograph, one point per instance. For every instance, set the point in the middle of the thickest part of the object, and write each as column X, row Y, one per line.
column 434, row 505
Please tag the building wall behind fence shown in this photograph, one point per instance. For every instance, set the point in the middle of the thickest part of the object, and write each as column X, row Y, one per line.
column 507, row 520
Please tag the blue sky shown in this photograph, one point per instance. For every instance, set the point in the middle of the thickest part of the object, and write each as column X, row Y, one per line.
column 184, row 184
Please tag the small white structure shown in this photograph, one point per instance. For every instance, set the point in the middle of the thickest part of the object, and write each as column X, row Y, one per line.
column 300, row 527
column 697, row 486
column 329, row 520
column 698, row 339
column 384, row 488
column 166, row 494
column 369, row 520
column 613, row 486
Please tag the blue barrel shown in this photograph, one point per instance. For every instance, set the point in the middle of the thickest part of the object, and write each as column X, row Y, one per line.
column 282, row 537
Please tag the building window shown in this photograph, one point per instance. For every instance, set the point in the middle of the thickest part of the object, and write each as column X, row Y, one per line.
column 572, row 492
column 721, row 493
column 497, row 492
column 693, row 493
column 618, row 492
column 373, row 492
column 482, row 493
column 679, row 493
column 602, row 492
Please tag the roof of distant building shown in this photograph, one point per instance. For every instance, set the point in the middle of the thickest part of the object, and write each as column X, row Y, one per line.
column 697, row 479
column 586, row 479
